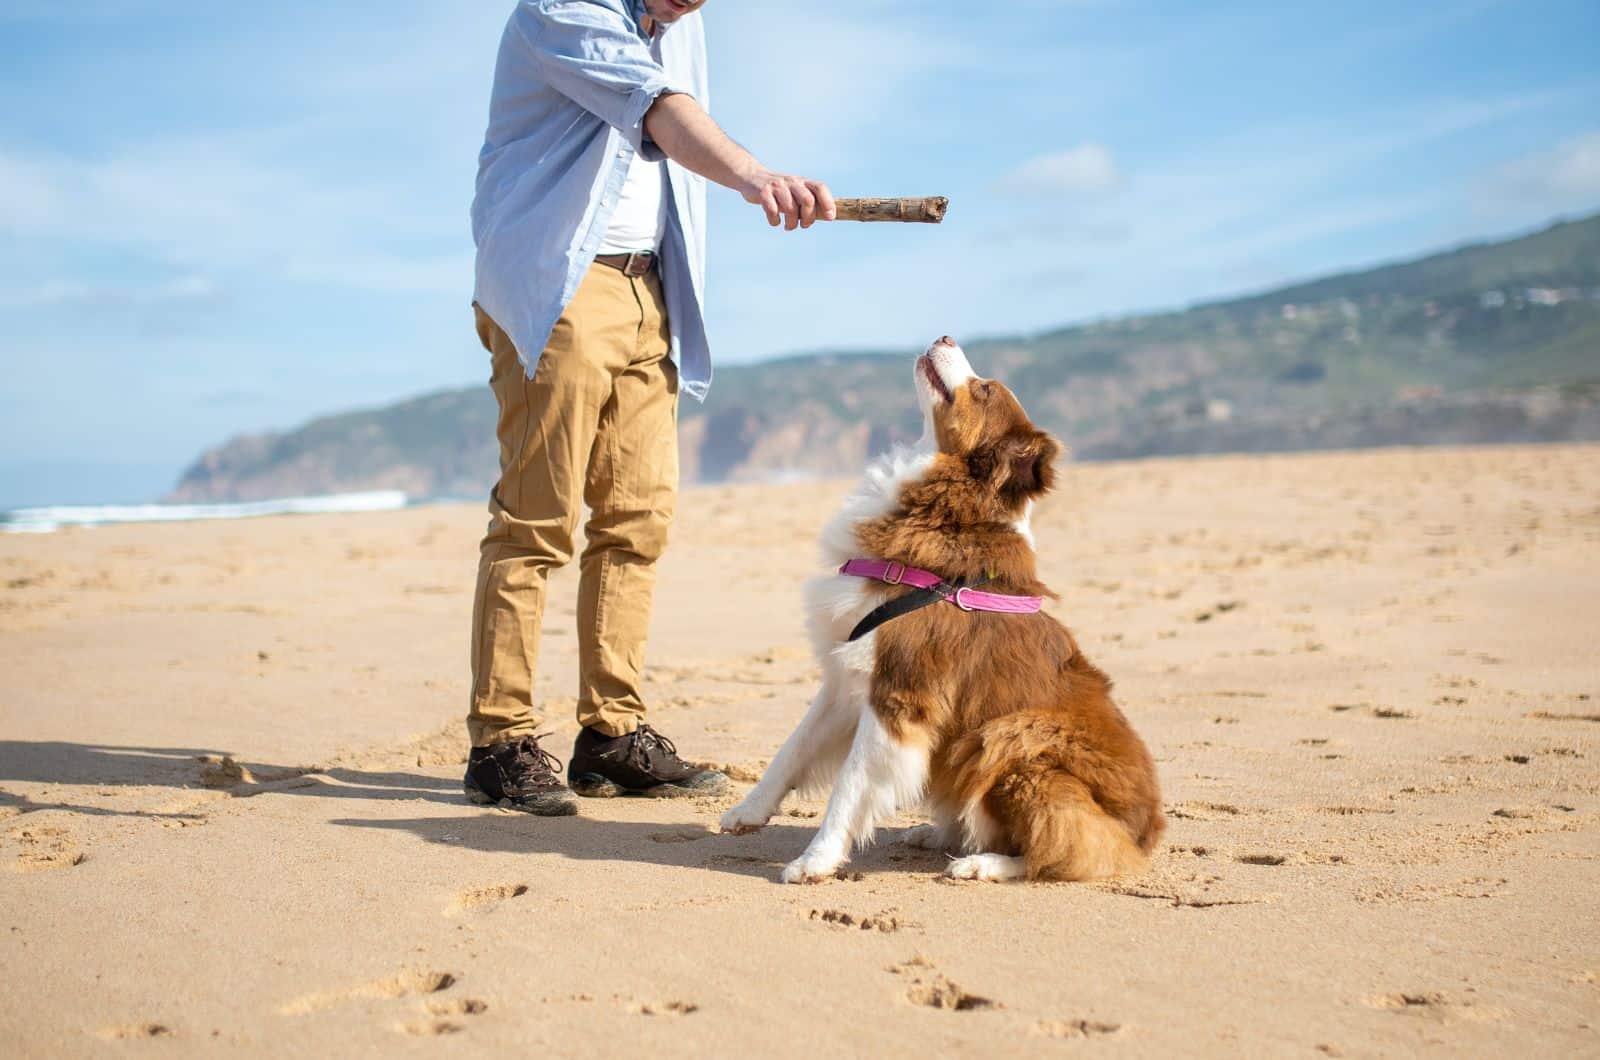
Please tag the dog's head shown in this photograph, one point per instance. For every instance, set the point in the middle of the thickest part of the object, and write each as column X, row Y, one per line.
column 980, row 424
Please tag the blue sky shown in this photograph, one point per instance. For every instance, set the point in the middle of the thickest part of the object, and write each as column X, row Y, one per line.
column 225, row 218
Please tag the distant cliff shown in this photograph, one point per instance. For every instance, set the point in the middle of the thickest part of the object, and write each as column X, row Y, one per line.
column 1494, row 342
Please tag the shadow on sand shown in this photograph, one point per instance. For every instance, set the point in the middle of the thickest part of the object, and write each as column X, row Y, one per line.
column 677, row 845
column 687, row 846
column 184, row 768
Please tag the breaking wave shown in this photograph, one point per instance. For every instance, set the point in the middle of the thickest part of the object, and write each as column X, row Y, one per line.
column 48, row 520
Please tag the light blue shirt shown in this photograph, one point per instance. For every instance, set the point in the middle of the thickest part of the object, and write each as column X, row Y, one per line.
column 571, row 87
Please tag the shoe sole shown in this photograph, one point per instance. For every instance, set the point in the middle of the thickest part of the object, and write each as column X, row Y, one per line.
column 553, row 806
column 595, row 786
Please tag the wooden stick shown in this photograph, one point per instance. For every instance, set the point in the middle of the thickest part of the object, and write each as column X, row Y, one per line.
column 927, row 211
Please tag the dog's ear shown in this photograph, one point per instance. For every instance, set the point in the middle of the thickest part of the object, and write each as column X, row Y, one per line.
column 1031, row 465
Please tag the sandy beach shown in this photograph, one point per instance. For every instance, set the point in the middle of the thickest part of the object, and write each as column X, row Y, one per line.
column 231, row 820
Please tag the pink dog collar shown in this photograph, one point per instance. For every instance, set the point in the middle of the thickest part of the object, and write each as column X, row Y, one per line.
column 891, row 573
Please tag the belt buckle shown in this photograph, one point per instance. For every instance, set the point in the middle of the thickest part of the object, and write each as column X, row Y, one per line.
column 959, row 602
column 638, row 263
column 893, row 573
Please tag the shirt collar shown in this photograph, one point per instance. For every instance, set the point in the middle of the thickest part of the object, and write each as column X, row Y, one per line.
column 639, row 13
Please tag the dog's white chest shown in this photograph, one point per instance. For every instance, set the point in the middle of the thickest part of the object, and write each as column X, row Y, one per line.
column 835, row 603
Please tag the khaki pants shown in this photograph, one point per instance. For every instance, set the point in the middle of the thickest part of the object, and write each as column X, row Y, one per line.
column 595, row 426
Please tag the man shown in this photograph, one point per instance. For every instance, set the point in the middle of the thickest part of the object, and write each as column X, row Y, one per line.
column 590, row 275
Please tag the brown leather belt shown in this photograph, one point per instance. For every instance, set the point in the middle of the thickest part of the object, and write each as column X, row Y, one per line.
column 636, row 264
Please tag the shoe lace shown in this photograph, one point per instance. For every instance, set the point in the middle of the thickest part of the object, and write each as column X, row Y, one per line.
column 535, row 757
column 645, row 740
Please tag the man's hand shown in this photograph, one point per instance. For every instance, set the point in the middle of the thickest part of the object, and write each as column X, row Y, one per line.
column 794, row 202
column 682, row 129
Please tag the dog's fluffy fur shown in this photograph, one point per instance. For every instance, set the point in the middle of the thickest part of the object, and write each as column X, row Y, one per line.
column 997, row 721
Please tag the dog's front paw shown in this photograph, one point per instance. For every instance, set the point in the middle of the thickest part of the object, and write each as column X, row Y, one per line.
column 743, row 819
column 991, row 867
column 811, row 868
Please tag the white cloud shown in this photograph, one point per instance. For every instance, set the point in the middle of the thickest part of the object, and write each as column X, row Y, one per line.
column 180, row 290
column 817, row 94
column 27, row 191
column 209, row 204
column 450, row 274
column 1266, row 188
column 326, row 186
column 1231, row 215
column 1566, row 177
column 1087, row 168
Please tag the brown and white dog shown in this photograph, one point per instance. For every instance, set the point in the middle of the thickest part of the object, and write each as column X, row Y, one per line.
column 996, row 721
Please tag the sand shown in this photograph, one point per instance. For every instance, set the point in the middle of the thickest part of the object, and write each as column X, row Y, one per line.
column 230, row 818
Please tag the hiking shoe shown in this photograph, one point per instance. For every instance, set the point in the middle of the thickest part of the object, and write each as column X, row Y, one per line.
column 521, row 774
column 642, row 764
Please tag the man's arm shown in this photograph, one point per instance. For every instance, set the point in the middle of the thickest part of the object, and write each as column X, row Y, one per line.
column 688, row 135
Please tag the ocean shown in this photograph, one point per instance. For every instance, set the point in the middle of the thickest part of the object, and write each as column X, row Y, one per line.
column 50, row 519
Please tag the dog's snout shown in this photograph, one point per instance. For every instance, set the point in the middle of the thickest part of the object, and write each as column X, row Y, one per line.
column 945, row 340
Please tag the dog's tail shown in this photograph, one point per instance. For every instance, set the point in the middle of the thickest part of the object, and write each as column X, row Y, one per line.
column 1063, row 832
column 1072, row 810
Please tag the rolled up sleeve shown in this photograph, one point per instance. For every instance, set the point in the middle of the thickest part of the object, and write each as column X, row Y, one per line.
column 591, row 53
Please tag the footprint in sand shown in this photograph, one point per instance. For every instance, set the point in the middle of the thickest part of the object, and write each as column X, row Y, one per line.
column 1431, row 1004
column 1209, row 811
column 663, row 1008
column 1190, row 851
column 1219, row 609
column 485, row 897
column 1261, row 859
column 1182, row 898
column 1076, row 1028
column 41, row 848
column 409, row 983
column 939, row 992
column 466, row 1006
column 1531, row 813
column 884, row 922
column 128, row 1032
column 1472, row 887
column 930, row 989
column 441, row 1022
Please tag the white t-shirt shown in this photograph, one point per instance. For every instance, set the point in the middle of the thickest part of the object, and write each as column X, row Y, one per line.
column 640, row 219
